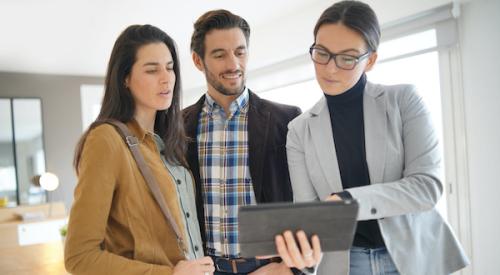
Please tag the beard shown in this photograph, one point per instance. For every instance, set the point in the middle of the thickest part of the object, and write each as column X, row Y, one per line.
column 227, row 91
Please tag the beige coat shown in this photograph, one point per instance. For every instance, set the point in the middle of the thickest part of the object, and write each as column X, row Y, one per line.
column 115, row 225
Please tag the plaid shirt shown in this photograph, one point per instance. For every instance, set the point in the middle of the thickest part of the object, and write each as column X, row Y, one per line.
column 224, row 172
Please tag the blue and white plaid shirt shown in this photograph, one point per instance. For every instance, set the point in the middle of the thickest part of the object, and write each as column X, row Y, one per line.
column 224, row 171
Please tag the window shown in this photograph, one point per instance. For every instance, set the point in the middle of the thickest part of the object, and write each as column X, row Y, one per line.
column 22, row 156
column 91, row 99
column 304, row 94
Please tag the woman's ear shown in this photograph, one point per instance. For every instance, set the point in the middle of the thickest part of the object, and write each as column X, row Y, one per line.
column 126, row 81
column 372, row 59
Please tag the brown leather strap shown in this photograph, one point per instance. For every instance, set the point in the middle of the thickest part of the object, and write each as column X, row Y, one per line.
column 133, row 145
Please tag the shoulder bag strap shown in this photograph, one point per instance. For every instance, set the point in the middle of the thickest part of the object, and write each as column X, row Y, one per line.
column 133, row 144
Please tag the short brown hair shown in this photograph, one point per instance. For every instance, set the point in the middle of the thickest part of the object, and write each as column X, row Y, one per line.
column 219, row 20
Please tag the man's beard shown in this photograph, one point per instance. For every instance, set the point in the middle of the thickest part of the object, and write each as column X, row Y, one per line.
column 212, row 80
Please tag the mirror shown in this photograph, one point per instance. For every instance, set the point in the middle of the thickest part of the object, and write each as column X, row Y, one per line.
column 8, row 183
column 22, row 155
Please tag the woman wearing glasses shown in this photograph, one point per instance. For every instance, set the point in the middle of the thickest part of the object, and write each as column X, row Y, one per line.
column 375, row 144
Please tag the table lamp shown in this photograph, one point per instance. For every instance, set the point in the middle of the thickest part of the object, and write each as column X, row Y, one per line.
column 49, row 182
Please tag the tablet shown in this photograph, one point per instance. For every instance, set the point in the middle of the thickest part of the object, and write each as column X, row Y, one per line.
column 333, row 221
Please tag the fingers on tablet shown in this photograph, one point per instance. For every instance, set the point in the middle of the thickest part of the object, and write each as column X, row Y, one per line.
column 316, row 248
column 283, row 250
column 307, row 252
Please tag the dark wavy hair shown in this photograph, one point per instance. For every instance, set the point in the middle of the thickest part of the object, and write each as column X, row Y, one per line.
column 355, row 15
column 118, row 102
column 216, row 20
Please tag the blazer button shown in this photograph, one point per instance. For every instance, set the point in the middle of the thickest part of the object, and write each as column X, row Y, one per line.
column 179, row 182
column 196, row 248
column 373, row 211
column 187, row 214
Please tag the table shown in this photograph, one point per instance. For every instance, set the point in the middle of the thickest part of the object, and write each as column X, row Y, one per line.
column 47, row 258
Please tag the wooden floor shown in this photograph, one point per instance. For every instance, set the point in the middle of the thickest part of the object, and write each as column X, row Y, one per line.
column 37, row 259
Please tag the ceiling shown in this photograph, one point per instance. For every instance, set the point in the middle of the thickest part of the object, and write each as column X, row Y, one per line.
column 75, row 37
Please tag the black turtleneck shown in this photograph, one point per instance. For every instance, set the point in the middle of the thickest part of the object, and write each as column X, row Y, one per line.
column 346, row 116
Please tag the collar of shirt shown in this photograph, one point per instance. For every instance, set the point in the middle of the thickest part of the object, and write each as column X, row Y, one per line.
column 137, row 130
column 240, row 104
column 159, row 142
column 352, row 96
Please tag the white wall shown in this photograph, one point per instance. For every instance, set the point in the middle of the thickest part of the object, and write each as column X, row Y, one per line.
column 480, row 40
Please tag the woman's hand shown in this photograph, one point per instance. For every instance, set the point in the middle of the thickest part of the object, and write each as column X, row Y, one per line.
column 334, row 197
column 292, row 256
column 202, row 266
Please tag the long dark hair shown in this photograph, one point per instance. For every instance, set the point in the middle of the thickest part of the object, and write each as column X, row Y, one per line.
column 355, row 15
column 118, row 102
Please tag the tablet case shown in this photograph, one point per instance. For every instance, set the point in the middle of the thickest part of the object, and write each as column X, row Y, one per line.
column 333, row 222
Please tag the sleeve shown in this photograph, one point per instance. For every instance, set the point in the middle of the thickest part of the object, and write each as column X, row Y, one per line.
column 302, row 186
column 420, row 187
column 98, row 173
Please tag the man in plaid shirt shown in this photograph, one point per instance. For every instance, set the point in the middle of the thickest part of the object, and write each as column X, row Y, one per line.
column 237, row 151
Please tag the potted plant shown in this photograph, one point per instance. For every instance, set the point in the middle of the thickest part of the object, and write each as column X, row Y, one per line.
column 63, row 231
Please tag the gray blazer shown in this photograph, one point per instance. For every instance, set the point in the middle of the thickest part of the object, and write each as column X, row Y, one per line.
column 404, row 163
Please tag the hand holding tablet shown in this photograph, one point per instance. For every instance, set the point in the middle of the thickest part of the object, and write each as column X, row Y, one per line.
column 333, row 222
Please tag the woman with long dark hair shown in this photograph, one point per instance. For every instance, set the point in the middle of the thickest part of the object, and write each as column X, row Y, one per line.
column 117, row 224
column 376, row 144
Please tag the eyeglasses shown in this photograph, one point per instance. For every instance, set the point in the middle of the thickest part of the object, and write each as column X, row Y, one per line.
column 343, row 61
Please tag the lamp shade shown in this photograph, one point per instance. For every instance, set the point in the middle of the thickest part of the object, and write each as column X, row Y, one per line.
column 49, row 181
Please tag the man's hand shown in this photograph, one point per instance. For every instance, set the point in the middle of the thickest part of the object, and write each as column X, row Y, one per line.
column 273, row 269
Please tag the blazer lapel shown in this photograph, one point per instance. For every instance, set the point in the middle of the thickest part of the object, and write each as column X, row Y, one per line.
column 375, row 120
column 320, row 129
column 258, row 129
column 190, row 116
